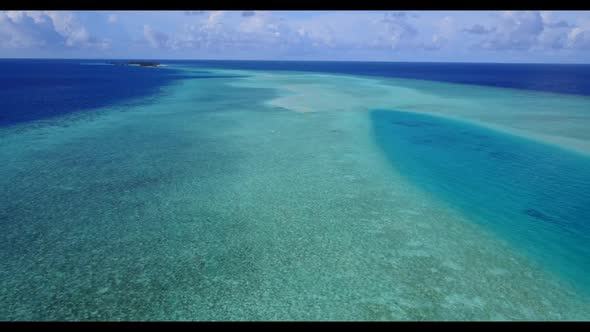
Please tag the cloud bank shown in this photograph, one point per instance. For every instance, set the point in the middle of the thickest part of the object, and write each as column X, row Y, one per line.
column 45, row 29
column 278, row 35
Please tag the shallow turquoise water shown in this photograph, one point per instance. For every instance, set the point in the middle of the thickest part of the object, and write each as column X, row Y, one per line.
column 536, row 195
column 204, row 202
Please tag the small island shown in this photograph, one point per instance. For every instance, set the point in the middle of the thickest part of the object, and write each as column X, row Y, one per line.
column 137, row 63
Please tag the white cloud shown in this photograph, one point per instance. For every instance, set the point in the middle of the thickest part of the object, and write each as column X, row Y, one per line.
column 398, row 30
column 445, row 32
column 18, row 30
column 345, row 34
column 579, row 37
column 361, row 31
column 194, row 12
column 529, row 31
column 29, row 29
column 478, row 29
column 341, row 32
column 113, row 18
column 222, row 31
column 516, row 31
column 155, row 38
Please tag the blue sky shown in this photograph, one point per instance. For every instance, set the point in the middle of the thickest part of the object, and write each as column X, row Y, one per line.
column 465, row 36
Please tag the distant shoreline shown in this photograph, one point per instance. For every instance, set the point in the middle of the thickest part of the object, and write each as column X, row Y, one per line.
column 136, row 63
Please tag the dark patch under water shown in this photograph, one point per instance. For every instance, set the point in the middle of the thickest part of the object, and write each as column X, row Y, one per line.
column 537, row 215
column 503, row 155
column 535, row 195
column 412, row 124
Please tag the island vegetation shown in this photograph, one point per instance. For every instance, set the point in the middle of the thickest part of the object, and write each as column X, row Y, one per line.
column 136, row 63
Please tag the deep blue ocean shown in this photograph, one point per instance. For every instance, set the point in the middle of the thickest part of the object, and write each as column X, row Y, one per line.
column 561, row 78
column 38, row 89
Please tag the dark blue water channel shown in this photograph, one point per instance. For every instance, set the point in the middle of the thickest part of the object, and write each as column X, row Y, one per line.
column 534, row 195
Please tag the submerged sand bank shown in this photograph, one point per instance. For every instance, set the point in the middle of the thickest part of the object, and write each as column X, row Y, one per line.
column 552, row 118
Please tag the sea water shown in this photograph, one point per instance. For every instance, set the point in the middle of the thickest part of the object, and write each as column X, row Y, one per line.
column 247, row 195
column 536, row 195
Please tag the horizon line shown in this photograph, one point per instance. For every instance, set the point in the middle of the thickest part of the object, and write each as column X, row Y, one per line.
column 276, row 60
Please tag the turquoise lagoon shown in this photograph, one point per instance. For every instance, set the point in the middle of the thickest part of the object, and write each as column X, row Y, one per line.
column 258, row 195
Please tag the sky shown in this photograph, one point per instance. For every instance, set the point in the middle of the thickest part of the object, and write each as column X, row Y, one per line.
column 431, row 36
